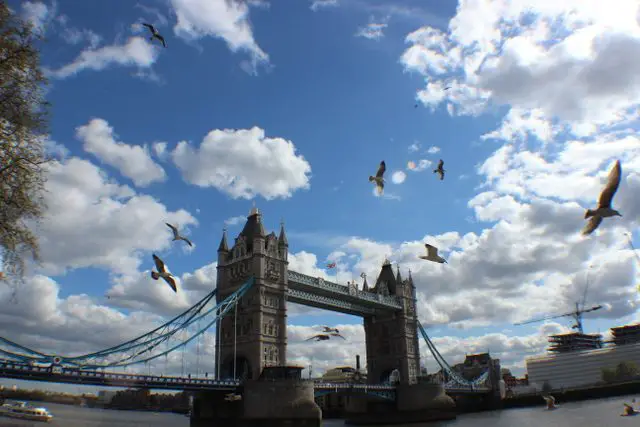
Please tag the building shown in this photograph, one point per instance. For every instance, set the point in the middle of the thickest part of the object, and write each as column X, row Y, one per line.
column 624, row 335
column 578, row 368
column 575, row 341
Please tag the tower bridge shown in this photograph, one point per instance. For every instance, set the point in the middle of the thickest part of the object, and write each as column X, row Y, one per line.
column 248, row 312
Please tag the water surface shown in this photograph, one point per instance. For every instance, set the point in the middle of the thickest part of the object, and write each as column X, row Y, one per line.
column 592, row 413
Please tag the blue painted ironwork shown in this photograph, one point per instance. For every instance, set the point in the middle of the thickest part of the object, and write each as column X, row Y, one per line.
column 327, row 303
column 138, row 350
column 63, row 374
column 455, row 380
column 319, row 286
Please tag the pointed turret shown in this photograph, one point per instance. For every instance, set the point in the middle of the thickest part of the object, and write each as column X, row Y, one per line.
column 282, row 239
column 223, row 242
column 386, row 276
column 398, row 277
column 365, row 285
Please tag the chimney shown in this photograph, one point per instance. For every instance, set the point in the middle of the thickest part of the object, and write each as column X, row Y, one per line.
column 357, row 362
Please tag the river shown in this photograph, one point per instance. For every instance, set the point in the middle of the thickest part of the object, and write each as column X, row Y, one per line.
column 591, row 413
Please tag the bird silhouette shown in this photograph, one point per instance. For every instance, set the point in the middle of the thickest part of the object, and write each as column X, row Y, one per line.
column 162, row 272
column 155, row 34
column 440, row 169
column 319, row 337
column 379, row 178
column 432, row 255
column 328, row 329
column 337, row 335
column 604, row 209
column 177, row 235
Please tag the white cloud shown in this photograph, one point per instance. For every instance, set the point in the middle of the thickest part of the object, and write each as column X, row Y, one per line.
column 38, row 14
column 243, row 163
column 137, row 52
column 372, row 31
column 228, row 20
column 160, row 150
column 414, row 147
column 433, row 149
column 133, row 161
column 77, row 35
column 398, row 177
column 235, row 220
column 93, row 222
column 573, row 60
column 322, row 4
column 420, row 166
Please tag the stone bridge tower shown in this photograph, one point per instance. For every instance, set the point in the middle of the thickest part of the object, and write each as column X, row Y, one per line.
column 392, row 340
column 260, row 321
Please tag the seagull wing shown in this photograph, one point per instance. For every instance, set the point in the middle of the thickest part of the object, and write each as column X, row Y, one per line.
column 159, row 263
column 440, row 164
column 159, row 37
column 381, row 169
column 174, row 229
column 338, row 335
column 172, row 282
column 612, row 186
column 150, row 27
column 380, row 187
column 313, row 338
column 432, row 251
column 592, row 224
column 186, row 240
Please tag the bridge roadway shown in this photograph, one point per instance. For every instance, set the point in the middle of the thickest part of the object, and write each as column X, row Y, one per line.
column 27, row 372
column 320, row 293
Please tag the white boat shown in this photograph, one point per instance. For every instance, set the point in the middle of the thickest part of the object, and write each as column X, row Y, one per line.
column 24, row 411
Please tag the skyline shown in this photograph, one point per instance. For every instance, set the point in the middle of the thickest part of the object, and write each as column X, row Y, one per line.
column 293, row 107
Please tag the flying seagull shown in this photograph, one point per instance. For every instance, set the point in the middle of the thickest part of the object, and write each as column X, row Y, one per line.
column 155, row 34
column 440, row 170
column 378, row 179
column 319, row 337
column 328, row 330
column 176, row 234
column 337, row 335
column 432, row 254
column 551, row 401
column 604, row 209
column 162, row 272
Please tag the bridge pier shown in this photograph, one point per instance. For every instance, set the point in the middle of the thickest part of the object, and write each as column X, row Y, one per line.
column 276, row 403
column 415, row 403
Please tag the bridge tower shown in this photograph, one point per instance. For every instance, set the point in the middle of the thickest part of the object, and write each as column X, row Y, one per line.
column 392, row 338
column 259, row 323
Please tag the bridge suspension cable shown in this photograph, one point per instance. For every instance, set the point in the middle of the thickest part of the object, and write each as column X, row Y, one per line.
column 140, row 349
column 454, row 377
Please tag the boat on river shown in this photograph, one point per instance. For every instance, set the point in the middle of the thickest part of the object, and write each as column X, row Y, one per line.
column 25, row 411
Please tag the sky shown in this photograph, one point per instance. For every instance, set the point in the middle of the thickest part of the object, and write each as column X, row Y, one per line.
column 291, row 106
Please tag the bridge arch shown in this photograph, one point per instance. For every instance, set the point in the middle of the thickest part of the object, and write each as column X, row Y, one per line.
column 244, row 371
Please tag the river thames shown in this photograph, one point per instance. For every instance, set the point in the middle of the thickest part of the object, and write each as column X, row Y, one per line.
column 592, row 413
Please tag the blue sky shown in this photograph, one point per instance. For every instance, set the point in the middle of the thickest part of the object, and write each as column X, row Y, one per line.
column 333, row 89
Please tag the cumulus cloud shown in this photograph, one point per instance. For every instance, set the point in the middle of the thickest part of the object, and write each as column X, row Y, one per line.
column 227, row 20
column 322, row 4
column 133, row 161
column 136, row 52
column 92, row 221
column 243, row 163
column 398, row 177
column 420, row 166
column 372, row 31
column 433, row 149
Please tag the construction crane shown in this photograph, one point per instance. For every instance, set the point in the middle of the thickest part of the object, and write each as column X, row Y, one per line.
column 577, row 314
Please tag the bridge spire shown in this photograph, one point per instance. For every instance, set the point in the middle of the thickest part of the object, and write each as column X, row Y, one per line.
column 223, row 242
column 282, row 240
